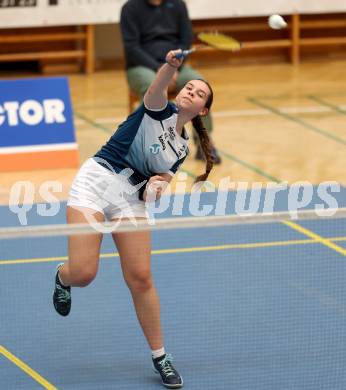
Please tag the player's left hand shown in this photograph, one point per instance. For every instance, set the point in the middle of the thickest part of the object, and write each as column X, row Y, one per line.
column 154, row 188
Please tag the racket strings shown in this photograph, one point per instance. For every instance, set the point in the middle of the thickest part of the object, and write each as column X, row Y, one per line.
column 219, row 41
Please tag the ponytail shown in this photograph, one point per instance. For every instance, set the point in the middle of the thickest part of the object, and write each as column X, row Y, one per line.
column 205, row 145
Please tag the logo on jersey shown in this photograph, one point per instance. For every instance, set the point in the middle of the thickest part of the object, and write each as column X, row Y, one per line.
column 154, row 148
column 171, row 133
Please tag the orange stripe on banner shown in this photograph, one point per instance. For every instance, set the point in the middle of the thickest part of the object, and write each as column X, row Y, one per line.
column 39, row 160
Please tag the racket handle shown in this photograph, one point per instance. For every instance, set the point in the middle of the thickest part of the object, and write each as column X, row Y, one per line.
column 184, row 53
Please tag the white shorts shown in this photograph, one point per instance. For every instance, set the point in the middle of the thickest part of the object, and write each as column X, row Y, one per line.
column 100, row 189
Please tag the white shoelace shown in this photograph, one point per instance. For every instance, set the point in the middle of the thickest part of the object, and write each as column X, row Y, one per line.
column 166, row 366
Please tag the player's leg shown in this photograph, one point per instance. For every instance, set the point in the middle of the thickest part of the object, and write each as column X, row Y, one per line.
column 83, row 259
column 83, row 250
column 134, row 249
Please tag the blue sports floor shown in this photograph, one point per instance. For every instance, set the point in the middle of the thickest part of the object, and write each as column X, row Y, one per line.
column 250, row 307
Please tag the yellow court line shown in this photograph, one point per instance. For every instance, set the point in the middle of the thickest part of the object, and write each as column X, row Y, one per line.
column 19, row 363
column 338, row 239
column 34, row 260
column 316, row 237
column 180, row 250
column 170, row 251
column 232, row 246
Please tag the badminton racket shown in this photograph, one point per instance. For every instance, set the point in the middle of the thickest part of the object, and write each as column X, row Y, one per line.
column 215, row 40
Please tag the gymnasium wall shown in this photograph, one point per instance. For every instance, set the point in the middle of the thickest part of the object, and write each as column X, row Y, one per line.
column 31, row 13
column 26, row 14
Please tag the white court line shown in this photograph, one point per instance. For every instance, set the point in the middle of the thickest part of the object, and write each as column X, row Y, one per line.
column 236, row 113
column 38, row 148
column 303, row 110
column 101, row 121
column 285, row 110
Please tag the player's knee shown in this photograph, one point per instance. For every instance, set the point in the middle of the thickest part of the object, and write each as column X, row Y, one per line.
column 140, row 282
column 83, row 277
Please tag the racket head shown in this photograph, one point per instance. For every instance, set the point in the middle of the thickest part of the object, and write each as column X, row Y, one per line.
column 219, row 41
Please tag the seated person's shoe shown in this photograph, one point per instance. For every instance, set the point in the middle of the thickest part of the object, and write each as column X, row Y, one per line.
column 199, row 154
column 216, row 156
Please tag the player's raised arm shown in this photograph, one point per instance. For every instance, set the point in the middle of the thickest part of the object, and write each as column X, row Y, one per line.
column 156, row 96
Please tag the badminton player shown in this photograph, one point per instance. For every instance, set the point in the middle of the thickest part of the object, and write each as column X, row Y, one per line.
column 152, row 143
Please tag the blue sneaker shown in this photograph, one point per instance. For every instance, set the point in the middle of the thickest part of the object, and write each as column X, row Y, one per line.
column 61, row 296
column 169, row 375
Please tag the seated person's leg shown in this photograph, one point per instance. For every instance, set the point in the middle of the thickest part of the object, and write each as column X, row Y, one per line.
column 139, row 79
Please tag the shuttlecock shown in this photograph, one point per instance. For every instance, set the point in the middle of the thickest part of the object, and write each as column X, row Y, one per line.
column 276, row 22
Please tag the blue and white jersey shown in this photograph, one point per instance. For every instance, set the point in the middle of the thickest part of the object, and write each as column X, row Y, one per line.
column 147, row 142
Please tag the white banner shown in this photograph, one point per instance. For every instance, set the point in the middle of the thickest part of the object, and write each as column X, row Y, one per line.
column 203, row 9
column 320, row 6
column 32, row 13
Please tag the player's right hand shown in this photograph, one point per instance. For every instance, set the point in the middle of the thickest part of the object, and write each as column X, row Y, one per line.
column 172, row 60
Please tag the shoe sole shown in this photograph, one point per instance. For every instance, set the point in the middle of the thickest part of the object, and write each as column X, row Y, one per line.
column 61, row 314
column 170, row 386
